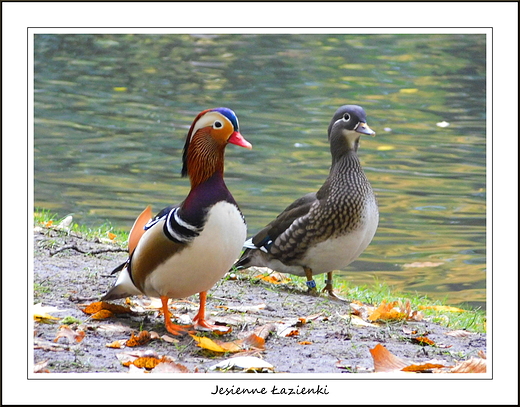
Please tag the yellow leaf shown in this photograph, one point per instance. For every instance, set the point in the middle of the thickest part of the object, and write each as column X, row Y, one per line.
column 111, row 236
column 120, row 88
column 441, row 308
column 207, row 343
column 252, row 341
column 411, row 90
column 44, row 318
column 41, row 313
column 385, row 148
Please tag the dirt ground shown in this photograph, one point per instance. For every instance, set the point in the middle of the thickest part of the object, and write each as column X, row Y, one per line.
column 71, row 272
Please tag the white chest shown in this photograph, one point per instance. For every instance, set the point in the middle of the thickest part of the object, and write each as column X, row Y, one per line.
column 205, row 260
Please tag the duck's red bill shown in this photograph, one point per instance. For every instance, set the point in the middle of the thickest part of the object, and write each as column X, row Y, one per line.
column 237, row 139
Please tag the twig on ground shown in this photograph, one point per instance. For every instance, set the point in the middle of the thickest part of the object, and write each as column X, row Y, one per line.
column 75, row 247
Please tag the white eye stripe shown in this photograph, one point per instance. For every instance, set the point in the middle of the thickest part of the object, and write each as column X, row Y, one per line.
column 208, row 120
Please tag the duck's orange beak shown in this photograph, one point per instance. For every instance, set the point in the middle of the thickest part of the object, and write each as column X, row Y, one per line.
column 239, row 140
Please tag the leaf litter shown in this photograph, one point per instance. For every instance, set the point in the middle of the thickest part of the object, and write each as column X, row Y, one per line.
column 277, row 323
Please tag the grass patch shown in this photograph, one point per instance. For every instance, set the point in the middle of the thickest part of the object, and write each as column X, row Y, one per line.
column 105, row 232
column 469, row 319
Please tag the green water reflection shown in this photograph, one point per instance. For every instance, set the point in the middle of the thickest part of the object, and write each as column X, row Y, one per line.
column 111, row 113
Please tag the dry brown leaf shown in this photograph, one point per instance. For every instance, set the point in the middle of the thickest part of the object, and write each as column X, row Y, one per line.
column 41, row 367
column 409, row 331
column 66, row 332
column 143, row 338
column 50, row 346
column 423, row 340
column 472, row 365
column 293, row 332
column 422, row 368
column 244, row 363
column 253, row 342
column 169, row 339
column 133, row 354
column 304, row 343
column 147, row 362
column 394, row 311
column 102, row 314
column 387, row 312
column 385, row 361
column 102, row 305
column 170, row 367
column 459, row 333
column 263, row 331
column 309, row 318
column 118, row 344
column 114, row 328
column 273, row 278
column 358, row 321
column 361, row 310
column 269, row 279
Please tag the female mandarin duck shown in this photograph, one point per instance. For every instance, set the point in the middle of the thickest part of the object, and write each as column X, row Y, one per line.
column 187, row 248
column 325, row 230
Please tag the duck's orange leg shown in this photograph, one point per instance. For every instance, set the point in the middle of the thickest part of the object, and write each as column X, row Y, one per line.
column 200, row 321
column 170, row 326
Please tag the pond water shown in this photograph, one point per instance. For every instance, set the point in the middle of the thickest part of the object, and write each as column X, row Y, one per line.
column 111, row 113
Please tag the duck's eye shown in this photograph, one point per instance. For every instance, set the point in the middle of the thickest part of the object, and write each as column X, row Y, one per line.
column 346, row 117
column 217, row 125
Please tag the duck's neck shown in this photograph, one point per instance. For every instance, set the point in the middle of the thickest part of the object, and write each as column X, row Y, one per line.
column 345, row 158
column 204, row 159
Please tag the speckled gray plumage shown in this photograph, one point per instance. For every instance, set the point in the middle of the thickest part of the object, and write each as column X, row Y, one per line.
column 344, row 205
column 335, row 210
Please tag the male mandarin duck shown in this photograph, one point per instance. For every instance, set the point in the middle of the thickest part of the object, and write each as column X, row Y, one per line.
column 187, row 248
column 325, row 230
